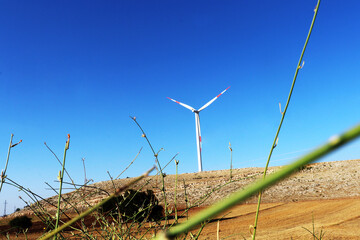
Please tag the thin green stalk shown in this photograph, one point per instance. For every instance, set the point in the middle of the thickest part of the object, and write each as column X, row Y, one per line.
column 40, row 211
column 176, row 180
column 42, row 215
column 25, row 231
column 86, row 186
column 186, row 200
column 97, row 206
column 200, row 230
column 159, row 168
column 28, row 192
column 145, row 232
column 299, row 66
column 59, row 162
column 67, row 200
column 332, row 144
column 61, row 182
column 231, row 166
column 313, row 233
column 112, row 180
column 3, row 173
column 36, row 213
column 129, row 164
column 168, row 162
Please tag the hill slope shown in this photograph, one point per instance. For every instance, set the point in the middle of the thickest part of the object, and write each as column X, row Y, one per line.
column 326, row 180
column 327, row 192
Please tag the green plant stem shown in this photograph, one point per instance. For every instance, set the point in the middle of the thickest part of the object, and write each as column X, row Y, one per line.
column 332, row 144
column 200, row 230
column 159, row 168
column 61, row 182
column 59, row 162
column 129, row 164
column 176, row 180
column 284, row 113
column 97, row 206
column 231, row 166
column 3, row 174
column 186, row 200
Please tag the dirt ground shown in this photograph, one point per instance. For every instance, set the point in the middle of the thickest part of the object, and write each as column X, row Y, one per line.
column 323, row 196
column 337, row 218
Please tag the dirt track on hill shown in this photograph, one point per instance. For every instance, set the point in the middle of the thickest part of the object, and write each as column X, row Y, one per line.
column 338, row 219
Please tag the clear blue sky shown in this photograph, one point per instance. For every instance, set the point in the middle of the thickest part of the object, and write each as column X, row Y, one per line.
column 82, row 67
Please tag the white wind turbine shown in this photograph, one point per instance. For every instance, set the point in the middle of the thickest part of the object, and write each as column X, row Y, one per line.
column 197, row 123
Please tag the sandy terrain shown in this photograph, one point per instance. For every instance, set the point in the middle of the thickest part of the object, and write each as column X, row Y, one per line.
column 338, row 218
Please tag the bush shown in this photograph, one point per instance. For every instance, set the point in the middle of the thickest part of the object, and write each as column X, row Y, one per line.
column 22, row 222
column 135, row 205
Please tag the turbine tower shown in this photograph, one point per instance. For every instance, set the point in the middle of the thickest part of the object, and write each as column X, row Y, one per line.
column 197, row 124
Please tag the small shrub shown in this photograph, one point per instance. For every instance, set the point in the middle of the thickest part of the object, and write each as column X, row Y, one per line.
column 305, row 167
column 135, row 205
column 22, row 222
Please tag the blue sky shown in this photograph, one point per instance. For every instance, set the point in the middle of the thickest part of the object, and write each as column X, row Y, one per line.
column 82, row 67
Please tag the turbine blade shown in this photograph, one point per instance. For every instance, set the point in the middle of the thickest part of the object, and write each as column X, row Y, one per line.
column 212, row 100
column 183, row 104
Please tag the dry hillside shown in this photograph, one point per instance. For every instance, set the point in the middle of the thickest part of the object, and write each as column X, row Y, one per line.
column 324, row 194
column 326, row 180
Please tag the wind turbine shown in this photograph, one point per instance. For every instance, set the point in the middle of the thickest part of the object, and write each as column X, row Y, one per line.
column 197, row 124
